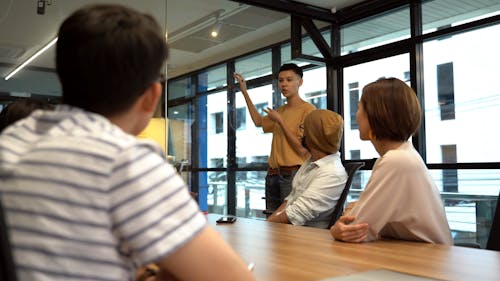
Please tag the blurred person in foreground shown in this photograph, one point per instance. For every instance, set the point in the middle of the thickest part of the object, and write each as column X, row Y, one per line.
column 400, row 200
column 319, row 182
column 84, row 198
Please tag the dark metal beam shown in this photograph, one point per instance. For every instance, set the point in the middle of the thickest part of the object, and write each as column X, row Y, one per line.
column 293, row 7
column 317, row 38
column 297, row 22
column 296, row 37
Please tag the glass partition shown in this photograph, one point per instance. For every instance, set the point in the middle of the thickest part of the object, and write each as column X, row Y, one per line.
column 250, row 186
column 462, row 100
column 180, row 129
column 213, row 78
column 286, row 56
column 180, row 88
column 216, row 131
column 313, row 89
column 217, row 192
column 375, row 31
column 437, row 14
column 254, row 66
column 252, row 144
column 355, row 78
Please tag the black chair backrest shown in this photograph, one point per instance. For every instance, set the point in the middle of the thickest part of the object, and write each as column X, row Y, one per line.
column 7, row 268
column 350, row 168
column 494, row 238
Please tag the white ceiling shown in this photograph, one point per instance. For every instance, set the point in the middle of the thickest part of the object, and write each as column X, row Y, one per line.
column 245, row 28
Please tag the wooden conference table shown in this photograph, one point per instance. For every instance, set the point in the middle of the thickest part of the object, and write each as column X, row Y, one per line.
column 287, row 252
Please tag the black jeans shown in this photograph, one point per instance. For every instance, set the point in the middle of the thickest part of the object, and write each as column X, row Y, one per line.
column 277, row 188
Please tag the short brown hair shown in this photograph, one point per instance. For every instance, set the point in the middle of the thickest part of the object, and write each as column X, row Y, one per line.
column 392, row 109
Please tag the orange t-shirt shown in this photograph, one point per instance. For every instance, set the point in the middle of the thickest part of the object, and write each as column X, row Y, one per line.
column 282, row 153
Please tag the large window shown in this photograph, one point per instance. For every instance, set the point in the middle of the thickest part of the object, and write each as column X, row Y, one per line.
column 252, row 141
column 214, row 78
column 453, row 68
column 462, row 97
column 375, row 31
column 216, row 139
column 180, row 88
column 353, row 89
column 241, row 118
column 255, row 65
column 313, row 89
column 437, row 14
column 445, row 88
column 361, row 75
column 252, row 145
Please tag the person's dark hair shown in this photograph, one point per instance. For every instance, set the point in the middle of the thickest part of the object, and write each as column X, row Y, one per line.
column 20, row 109
column 392, row 109
column 292, row 66
column 107, row 55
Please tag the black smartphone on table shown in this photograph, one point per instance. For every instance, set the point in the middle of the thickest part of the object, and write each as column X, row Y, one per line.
column 226, row 220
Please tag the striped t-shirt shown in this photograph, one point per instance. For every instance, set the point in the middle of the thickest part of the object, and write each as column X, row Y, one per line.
column 86, row 201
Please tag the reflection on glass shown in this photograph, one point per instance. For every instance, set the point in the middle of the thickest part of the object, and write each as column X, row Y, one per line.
column 470, row 207
column 254, row 66
column 461, row 97
column 180, row 119
column 437, row 14
column 313, row 89
column 376, row 31
column 179, row 88
column 250, row 193
column 252, row 144
column 309, row 48
column 355, row 78
column 214, row 139
column 286, row 56
column 212, row 78
column 216, row 192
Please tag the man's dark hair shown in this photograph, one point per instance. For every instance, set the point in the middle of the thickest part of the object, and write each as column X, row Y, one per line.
column 20, row 109
column 107, row 55
column 292, row 66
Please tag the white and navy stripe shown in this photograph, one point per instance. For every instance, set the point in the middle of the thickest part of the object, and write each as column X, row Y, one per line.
column 86, row 201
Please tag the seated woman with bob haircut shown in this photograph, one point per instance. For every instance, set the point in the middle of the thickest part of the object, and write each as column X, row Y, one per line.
column 400, row 200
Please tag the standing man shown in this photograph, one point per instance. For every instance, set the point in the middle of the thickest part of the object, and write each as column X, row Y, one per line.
column 84, row 198
column 287, row 152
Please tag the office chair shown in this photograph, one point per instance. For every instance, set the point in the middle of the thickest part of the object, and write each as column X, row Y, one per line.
column 350, row 168
column 494, row 238
column 7, row 268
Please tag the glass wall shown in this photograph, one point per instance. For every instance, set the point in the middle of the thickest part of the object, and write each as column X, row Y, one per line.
column 252, row 150
column 180, row 88
column 452, row 67
column 255, row 66
column 460, row 99
column 376, row 31
column 313, row 89
column 355, row 78
column 437, row 14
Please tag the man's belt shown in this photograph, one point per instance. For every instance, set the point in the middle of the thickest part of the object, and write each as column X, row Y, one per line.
column 282, row 170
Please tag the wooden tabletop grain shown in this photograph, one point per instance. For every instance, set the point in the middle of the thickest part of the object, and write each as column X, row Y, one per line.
column 287, row 252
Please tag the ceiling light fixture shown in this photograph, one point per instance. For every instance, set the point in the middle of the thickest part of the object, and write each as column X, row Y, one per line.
column 216, row 29
column 30, row 59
